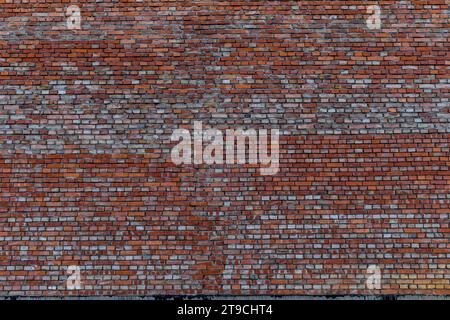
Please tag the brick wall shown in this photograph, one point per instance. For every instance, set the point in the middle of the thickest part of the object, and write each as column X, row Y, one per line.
column 86, row 177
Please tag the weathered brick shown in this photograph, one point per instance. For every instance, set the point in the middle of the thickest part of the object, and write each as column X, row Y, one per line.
column 86, row 177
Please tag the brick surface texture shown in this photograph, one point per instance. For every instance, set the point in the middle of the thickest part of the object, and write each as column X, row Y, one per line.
column 87, row 180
